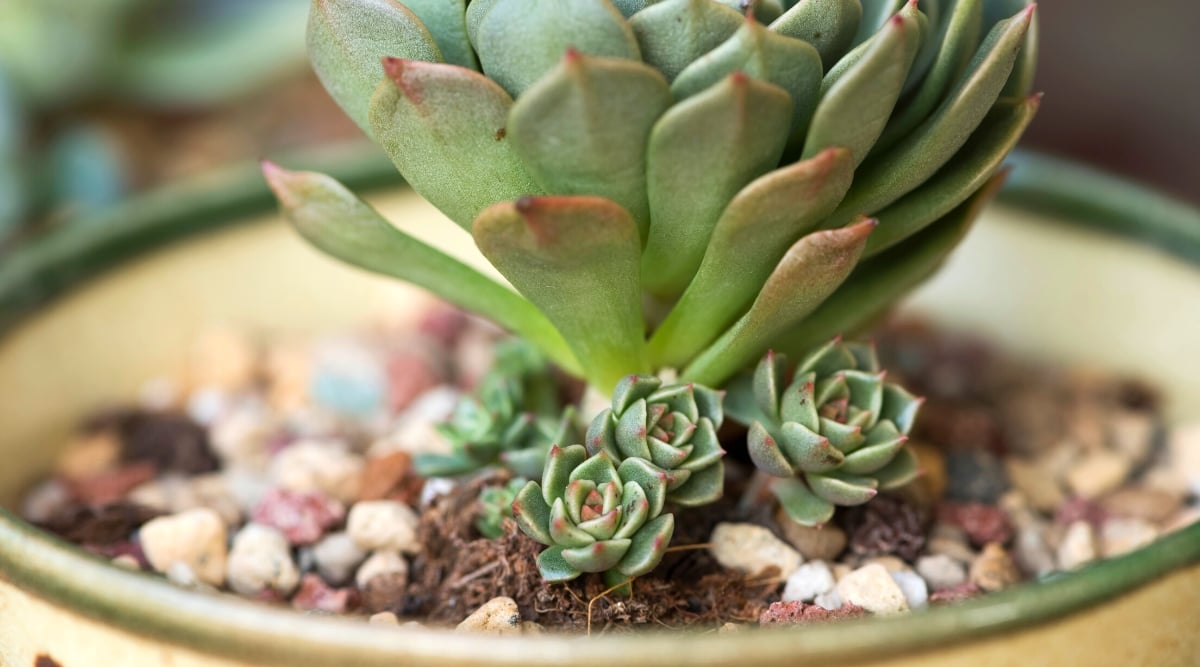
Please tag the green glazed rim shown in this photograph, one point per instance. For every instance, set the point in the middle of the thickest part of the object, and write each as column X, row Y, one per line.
column 225, row 625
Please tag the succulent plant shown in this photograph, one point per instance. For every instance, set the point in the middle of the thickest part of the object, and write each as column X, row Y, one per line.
column 832, row 430
column 495, row 505
column 672, row 183
column 674, row 427
column 511, row 422
column 595, row 516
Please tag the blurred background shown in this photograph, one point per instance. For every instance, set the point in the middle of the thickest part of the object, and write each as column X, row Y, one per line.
column 101, row 99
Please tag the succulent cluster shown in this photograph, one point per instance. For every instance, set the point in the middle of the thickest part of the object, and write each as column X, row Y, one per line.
column 495, row 505
column 832, row 430
column 672, row 183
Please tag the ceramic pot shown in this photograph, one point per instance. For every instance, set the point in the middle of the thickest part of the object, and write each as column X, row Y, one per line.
column 88, row 316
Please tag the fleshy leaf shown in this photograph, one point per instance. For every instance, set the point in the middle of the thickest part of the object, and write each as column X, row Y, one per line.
column 856, row 104
column 807, row 450
column 706, row 485
column 561, row 463
column 841, row 489
column 648, row 546
column 871, row 458
column 765, row 452
column 789, row 63
column 801, row 504
column 829, row 25
column 576, row 259
column 763, row 219
column 347, row 39
column 900, row 407
column 875, row 14
column 743, row 125
column 636, row 508
column 598, row 469
column 673, row 33
column 443, row 127
column 532, row 513
column 810, row 271
column 518, row 41
column 631, row 432
column 598, row 557
column 584, row 127
column 563, row 531
column 651, row 478
column 555, row 568
column 447, row 22
column 901, row 471
column 968, row 171
column 330, row 217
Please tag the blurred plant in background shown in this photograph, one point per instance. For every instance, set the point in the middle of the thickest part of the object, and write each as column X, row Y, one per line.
column 94, row 93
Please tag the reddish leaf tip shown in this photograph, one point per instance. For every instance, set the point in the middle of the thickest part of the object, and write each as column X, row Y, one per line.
column 572, row 55
column 739, row 78
column 524, row 204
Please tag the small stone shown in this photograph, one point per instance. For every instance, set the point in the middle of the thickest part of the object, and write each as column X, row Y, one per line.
column 302, row 517
column 112, row 524
column 384, row 618
column 753, row 550
column 994, row 569
column 183, row 575
column 824, row 543
column 44, row 501
column 111, row 485
column 982, row 523
column 1184, row 518
column 261, row 558
column 975, row 475
column 1121, row 536
column 384, row 525
column 348, row 379
column 829, row 600
column 1080, row 509
column 1132, row 433
column 1032, row 552
column 930, row 487
column 223, row 358
column 964, row 591
column 840, row 570
column 808, row 581
column 1183, row 447
column 872, row 588
column 532, row 628
column 127, row 562
column 378, row 564
column 205, row 405
column 385, row 475
column 172, row 442
column 89, row 455
column 416, row 429
column 1078, row 546
column 195, row 538
column 288, row 369
column 941, row 571
column 889, row 563
column 730, row 627
column 385, row 592
column 497, row 616
column 336, row 557
column 952, row 548
column 888, row 525
column 1098, row 473
column 241, row 438
column 411, row 373
column 1148, row 504
column 799, row 613
column 1037, row 482
column 316, row 595
column 326, row 467
column 916, row 592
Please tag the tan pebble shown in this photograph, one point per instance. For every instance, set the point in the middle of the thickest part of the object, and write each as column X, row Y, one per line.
column 532, row 628
column 1033, row 552
column 45, row 500
column 261, row 559
column 223, row 358
column 240, row 439
column 950, row 541
column 1120, row 536
column 288, row 368
column 379, row 564
column 212, row 491
column 930, row 486
column 994, row 569
column 497, row 616
column 89, row 455
column 383, row 525
column 1098, row 473
column 1077, row 547
column 324, row 466
column 823, row 543
column 195, row 538
column 337, row 557
column 873, row 589
column 127, row 562
column 1037, row 482
column 941, row 571
column 1182, row 519
column 889, row 563
column 840, row 570
column 1132, row 433
column 1165, row 479
column 384, row 618
column 753, row 550
column 1183, row 446
column 1150, row 504
column 730, row 627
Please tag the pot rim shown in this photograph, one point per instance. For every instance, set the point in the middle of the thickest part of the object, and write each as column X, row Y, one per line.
column 143, row 604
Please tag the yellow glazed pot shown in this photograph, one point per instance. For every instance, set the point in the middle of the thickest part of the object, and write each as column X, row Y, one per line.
column 89, row 315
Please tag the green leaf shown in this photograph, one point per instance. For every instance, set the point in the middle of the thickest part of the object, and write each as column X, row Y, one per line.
column 872, row 457
column 801, row 504
column 347, row 39
column 583, row 129
column 631, row 432
column 769, row 385
column 807, row 450
column 598, row 557
column 532, row 513
column 958, row 37
column 673, row 33
column 526, row 462
column 886, row 177
column 875, row 14
column 636, row 509
column 330, row 217
column 857, row 102
column 602, row 435
column 648, row 546
column 900, row 407
column 1020, row 82
column 477, row 10
column 443, row 126
column 576, row 259
column 881, row 281
column 598, row 469
column 444, row 465
column 560, row 471
column 762, row 221
column 902, row 470
column 552, row 565
column 797, row 404
column 519, row 41
column 810, row 271
column 966, row 172
column 789, row 63
column 829, row 25
column 743, row 123
column 765, row 452
column 706, row 446
column 706, row 485
column 650, row 477
column 841, row 489
column 630, row 7
column 447, row 22
column 563, row 531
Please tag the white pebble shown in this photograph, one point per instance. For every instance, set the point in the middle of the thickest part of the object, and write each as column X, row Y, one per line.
column 872, row 588
column 497, row 616
column 380, row 563
column 752, row 550
column 941, row 571
column 1078, row 546
column 240, row 438
column 195, row 538
column 45, row 500
column 829, row 600
column 384, row 618
column 383, row 525
column 916, row 592
column 1120, row 536
column 260, row 559
column 434, row 487
column 324, row 466
column 808, row 581
column 336, row 557
column 1183, row 446
column 206, row 405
